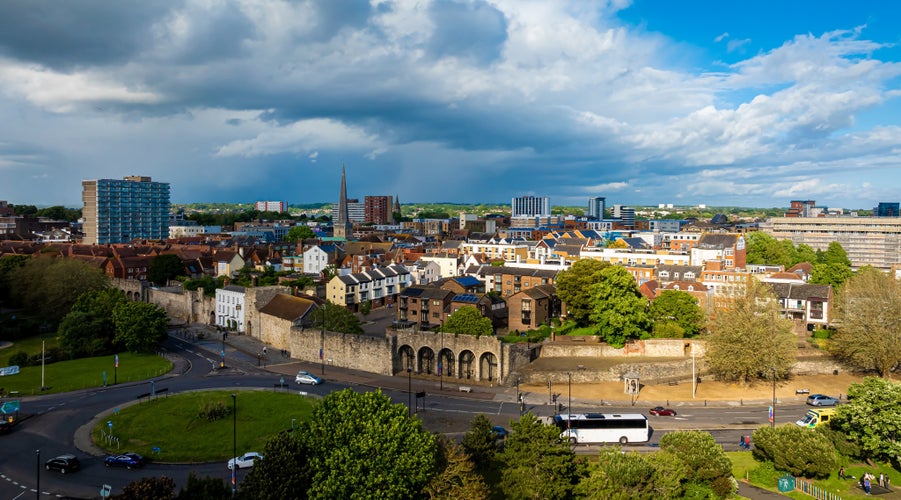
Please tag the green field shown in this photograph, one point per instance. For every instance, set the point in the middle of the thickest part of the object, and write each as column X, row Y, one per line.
column 84, row 373
column 175, row 424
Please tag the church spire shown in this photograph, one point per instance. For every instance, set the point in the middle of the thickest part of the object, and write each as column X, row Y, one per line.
column 343, row 227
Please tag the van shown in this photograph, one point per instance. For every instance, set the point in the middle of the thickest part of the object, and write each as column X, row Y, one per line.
column 816, row 418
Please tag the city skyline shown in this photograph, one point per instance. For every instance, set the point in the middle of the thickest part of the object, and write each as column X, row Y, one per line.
column 638, row 102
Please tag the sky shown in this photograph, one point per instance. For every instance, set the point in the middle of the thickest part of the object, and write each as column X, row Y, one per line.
column 643, row 102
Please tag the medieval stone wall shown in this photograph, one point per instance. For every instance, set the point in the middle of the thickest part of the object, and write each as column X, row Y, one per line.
column 591, row 348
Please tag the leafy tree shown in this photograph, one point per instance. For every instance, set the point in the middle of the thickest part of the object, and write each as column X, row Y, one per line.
column 164, row 268
column 8, row 265
column 457, row 478
column 207, row 283
column 620, row 311
column 537, row 464
column 299, row 233
column 805, row 253
column 49, row 287
column 705, row 461
column 574, row 288
column 208, row 488
column 830, row 274
column 149, row 488
column 480, row 443
column 868, row 315
column 763, row 248
column 871, row 418
column 676, row 315
column 84, row 334
column 468, row 320
column 796, row 450
column 669, row 474
column 140, row 326
column 362, row 446
column 619, row 475
column 283, row 473
column 366, row 307
column 835, row 254
column 751, row 338
column 335, row 318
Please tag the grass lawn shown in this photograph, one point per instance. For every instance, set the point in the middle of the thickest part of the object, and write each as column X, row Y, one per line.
column 176, row 426
column 31, row 345
column 84, row 373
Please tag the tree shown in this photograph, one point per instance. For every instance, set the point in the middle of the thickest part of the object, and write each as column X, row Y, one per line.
column 835, row 254
column 84, row 334
column 537, row 464
column 620, row 311
column 48, row 287
column 299, row 233
column 868, row 315
column 871, row 418
column 751, row 338
column 366, row 307
column 763, row 248
column 335, row 318
column 283, row 473
column 457, row 478
column 619, row 475
column 574, row 288
column 8, row 265
column 362, row 446
column 796, row 450
column 705, row 461
column 833, row 274
column 468, row 320
column 149, row 488
column 675, row 314
column 140, row 326
column 208, row 488
column 164, row 268
column 480, row 443
column 805, row 253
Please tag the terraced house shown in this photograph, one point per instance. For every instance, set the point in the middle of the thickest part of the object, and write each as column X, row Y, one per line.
column 379, row 286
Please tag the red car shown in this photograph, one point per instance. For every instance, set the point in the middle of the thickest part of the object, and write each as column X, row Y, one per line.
column 660, row 411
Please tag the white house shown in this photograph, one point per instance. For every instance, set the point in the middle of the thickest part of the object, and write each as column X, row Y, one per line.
column 317, row 258
column 230, row 307
column 423, row 272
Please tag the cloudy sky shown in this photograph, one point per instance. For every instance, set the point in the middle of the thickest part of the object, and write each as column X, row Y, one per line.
column 642, row 102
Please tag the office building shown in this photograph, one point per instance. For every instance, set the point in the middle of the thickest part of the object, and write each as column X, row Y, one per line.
column 885, row 209
column 596, row 207
column 801, row 208
column 271, row 206
column 625, row 214
column 525, row 206
column 377, row 209
column 119, row 211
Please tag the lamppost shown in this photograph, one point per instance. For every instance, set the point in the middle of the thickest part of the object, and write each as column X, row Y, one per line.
column 441, row 357
column 569, row 405
column 410, row 390
column 549, row 391
column 222, row 364
column 518, row 396
column 234, row 443
column 37, row 453
column 773, row 416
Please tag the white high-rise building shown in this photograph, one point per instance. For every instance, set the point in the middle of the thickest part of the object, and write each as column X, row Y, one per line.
column 531, row 206
column 596, row 207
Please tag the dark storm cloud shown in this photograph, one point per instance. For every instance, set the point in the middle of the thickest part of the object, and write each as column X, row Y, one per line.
column 215, row 34
column 471, row 31
column 64, row 34
column 334, row 15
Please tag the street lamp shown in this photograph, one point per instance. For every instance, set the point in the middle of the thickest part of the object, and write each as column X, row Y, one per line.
column 440, row 357
column 569, row 405
column 410, row 390
column 773, row 419
column 37, row 453
column 518, row 396
column 234, row 444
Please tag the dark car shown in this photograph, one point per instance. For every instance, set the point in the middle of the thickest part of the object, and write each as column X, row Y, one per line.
column 821, row 400
column 660, row 411
column 127, row 460
column 63, row 463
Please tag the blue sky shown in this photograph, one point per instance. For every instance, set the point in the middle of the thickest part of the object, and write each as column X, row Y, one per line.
column 642, row 102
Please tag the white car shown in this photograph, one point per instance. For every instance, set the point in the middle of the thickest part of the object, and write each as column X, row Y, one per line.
column 305, row 377
column 244, row 461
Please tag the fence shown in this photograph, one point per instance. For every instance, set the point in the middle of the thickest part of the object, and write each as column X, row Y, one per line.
column 814, row 490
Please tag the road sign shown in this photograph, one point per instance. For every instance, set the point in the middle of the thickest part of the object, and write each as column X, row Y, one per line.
column 105, row 490
column 9, row 370
column 9, row 407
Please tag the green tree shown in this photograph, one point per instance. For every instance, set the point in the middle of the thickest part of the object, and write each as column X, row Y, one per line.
column 299, row 233
column 366, row 307
column 620, row 311
column 537, row 464
column 751, row 337
column 335, row 318
column 805, row 253
column 763, row 248
column 140, row 326
column 149, row 488
column 618, row 475
column 830, row 274
column 84, row 335
column 871, row 418
column 164, row 268
column 362, row 446
column 480, row 443
column 456, row 478
column 283, row 473
column 835, row 254
column 676, row 315
column 468, row 320
column 48, row 287
column 574, row 288
column 8, row 265
column 868, row 315
column 705, row 461
column 796, row 450
column 207, row 488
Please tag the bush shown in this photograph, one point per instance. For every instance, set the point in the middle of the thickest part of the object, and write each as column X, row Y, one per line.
column 795, row 450
column 20, row 358
column 765, row 475
column 213, row 411
column 840, row 442
column 822, row 333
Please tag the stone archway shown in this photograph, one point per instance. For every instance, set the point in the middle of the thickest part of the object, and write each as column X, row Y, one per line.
column 488, row 367
column 404, row 359
column 446, row 362
column 426, row 361
column 466, row 364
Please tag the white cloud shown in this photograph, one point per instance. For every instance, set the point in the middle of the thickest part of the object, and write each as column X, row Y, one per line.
column 303, row 136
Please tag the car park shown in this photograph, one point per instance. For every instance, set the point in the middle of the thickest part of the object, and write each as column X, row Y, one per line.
column 659, row 411
column 127, row 460
column 63, row 463
column 821, row 400
column 244, row 461
column 305, row 377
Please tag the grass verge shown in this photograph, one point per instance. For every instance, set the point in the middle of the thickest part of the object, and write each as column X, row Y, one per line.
column 65, row 376
column 179, row 427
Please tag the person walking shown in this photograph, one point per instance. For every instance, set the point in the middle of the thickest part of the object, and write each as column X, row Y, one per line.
column 841, row 472
column 866, row 483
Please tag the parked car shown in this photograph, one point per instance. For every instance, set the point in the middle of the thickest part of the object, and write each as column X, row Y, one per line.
column 305, row 377
column 127, row 460
column 63, row 463
column 244, row 461
column 660, row 411
column 821, row 400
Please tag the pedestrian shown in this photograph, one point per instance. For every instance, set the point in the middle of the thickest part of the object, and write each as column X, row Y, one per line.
column 747, row 442
column 866, row 483
column 882, row 479
column 741, row 442
column 841, row 472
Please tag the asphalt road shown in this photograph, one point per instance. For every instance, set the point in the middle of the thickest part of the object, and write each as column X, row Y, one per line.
column 52, row 422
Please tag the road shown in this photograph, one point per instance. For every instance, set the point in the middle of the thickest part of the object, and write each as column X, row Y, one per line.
column 55, row 422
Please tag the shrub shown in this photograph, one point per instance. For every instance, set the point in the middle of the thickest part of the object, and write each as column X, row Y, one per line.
column 795, row 450
column 765, row 475
column 214, row 410
column 20, row 358
column 822, row 333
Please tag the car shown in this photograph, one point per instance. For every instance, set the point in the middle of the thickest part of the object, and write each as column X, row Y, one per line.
column 244, row 461
column 660, row 411
column 305, row 377
column 821, row 400
column 127, row 460
column 63, row 463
